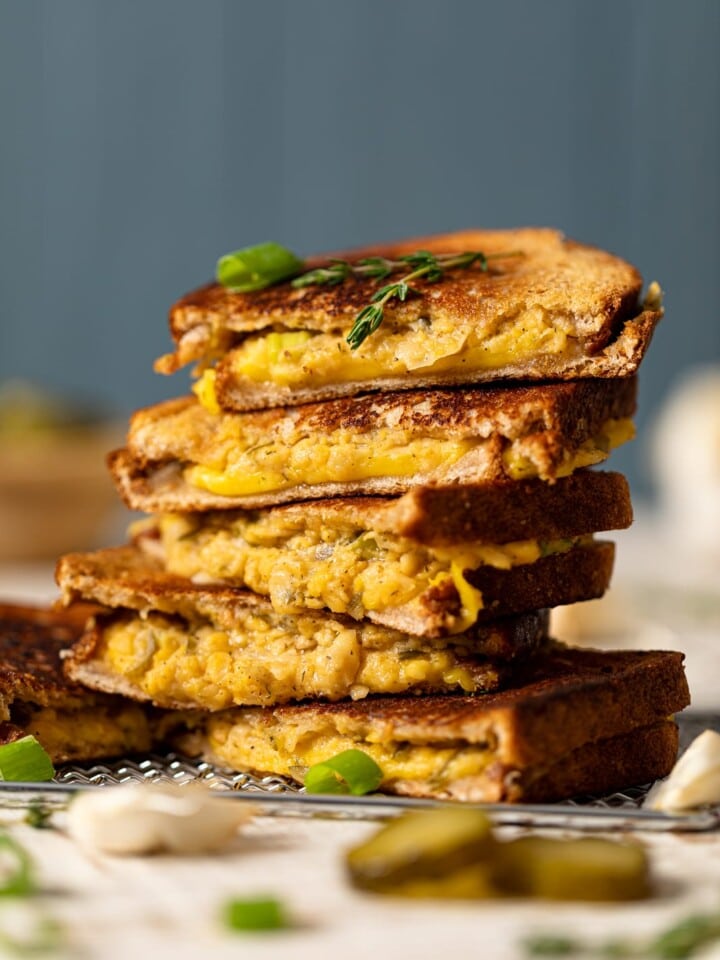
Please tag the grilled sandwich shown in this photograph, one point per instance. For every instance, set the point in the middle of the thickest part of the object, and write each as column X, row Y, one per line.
column 181, row 457
column 181, row 644
column 554, row 309
column 71, row 722
column 577, row 722
column 429, row 563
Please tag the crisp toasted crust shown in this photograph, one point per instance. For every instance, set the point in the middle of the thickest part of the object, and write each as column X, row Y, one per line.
column 126, row 577
column 588, row 501
column 579, row 721
column 31, row 641
column 551, row 420
column 71, row 722
column 630, row 759
column 593, row 289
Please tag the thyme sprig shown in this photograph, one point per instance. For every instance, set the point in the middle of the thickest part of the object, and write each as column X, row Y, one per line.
column 430, row 267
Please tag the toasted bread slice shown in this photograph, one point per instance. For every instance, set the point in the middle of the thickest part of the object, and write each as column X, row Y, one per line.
column 578, row 721
column 557, row 310
column 180, row 457
column 181, row 644
column 71, row 722
column 355, row 556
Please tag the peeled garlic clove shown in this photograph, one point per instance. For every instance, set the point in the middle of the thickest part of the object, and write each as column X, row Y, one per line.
column 694, row 780
column 149, row 818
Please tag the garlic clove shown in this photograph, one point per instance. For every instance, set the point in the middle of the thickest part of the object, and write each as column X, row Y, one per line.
column 694, row 780
column 150, row 818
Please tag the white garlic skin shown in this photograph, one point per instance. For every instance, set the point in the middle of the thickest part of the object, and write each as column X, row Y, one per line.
column 149, row 818
column 694, row 780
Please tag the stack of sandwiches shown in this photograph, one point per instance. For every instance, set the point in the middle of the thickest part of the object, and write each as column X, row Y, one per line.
column 357, row 547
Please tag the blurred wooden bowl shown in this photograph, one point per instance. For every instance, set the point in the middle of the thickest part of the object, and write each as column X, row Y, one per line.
column 56, row 494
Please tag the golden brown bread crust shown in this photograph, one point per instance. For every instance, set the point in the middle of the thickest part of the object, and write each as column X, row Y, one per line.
column 126, row 577
column 550, row 419
column 628, row 760
column 583, row 573
column 593, row 289
column 32, row 643
column 588, row 501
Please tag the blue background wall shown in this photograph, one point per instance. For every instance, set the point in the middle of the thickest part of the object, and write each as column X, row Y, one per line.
column 141, row 139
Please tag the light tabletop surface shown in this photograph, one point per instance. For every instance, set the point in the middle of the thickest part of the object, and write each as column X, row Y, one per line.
column 168, row 906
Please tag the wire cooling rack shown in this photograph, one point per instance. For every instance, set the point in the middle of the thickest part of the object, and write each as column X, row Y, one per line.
column 276, row 796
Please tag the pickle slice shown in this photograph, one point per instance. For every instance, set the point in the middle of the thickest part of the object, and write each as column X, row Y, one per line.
column 418, row 853
column 473, row 882
column 587, row 869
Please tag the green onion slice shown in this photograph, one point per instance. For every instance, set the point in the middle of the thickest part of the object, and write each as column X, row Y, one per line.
column 44, row 935
column 255, row 268
column 257, row 913
column 17, row 877
column 25, row 760
column 351, row 771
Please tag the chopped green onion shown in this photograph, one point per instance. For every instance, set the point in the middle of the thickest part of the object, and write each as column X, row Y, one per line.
column 351, row 771
column 551, row 946
column 25, row 760
column 39, row 816
column 16, row 869
column 257, row 913
column 257, row 267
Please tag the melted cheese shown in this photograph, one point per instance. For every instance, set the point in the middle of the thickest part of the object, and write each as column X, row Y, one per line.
column 421, row 349
column 265, row 660
column 242, row 469
column 90, row 731
column 313, row 460
column 314, row 563
column 281, row 748
column 592, row 451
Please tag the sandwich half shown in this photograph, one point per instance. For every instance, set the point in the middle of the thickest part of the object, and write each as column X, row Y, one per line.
column 551, row 309
column 183, row 645
column 71, row 722
column 181, row 457
column 577, row 722
column 430, row 563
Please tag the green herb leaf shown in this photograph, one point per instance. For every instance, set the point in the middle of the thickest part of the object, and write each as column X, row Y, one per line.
column 351, row 771
column 254, row 268
column 550, row 946
column 17, row 877
column 25, row 760
column 686, row 937
column 258, row 913
column 338, row 271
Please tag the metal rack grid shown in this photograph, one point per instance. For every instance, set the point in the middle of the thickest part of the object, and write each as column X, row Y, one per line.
column 276, row 796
